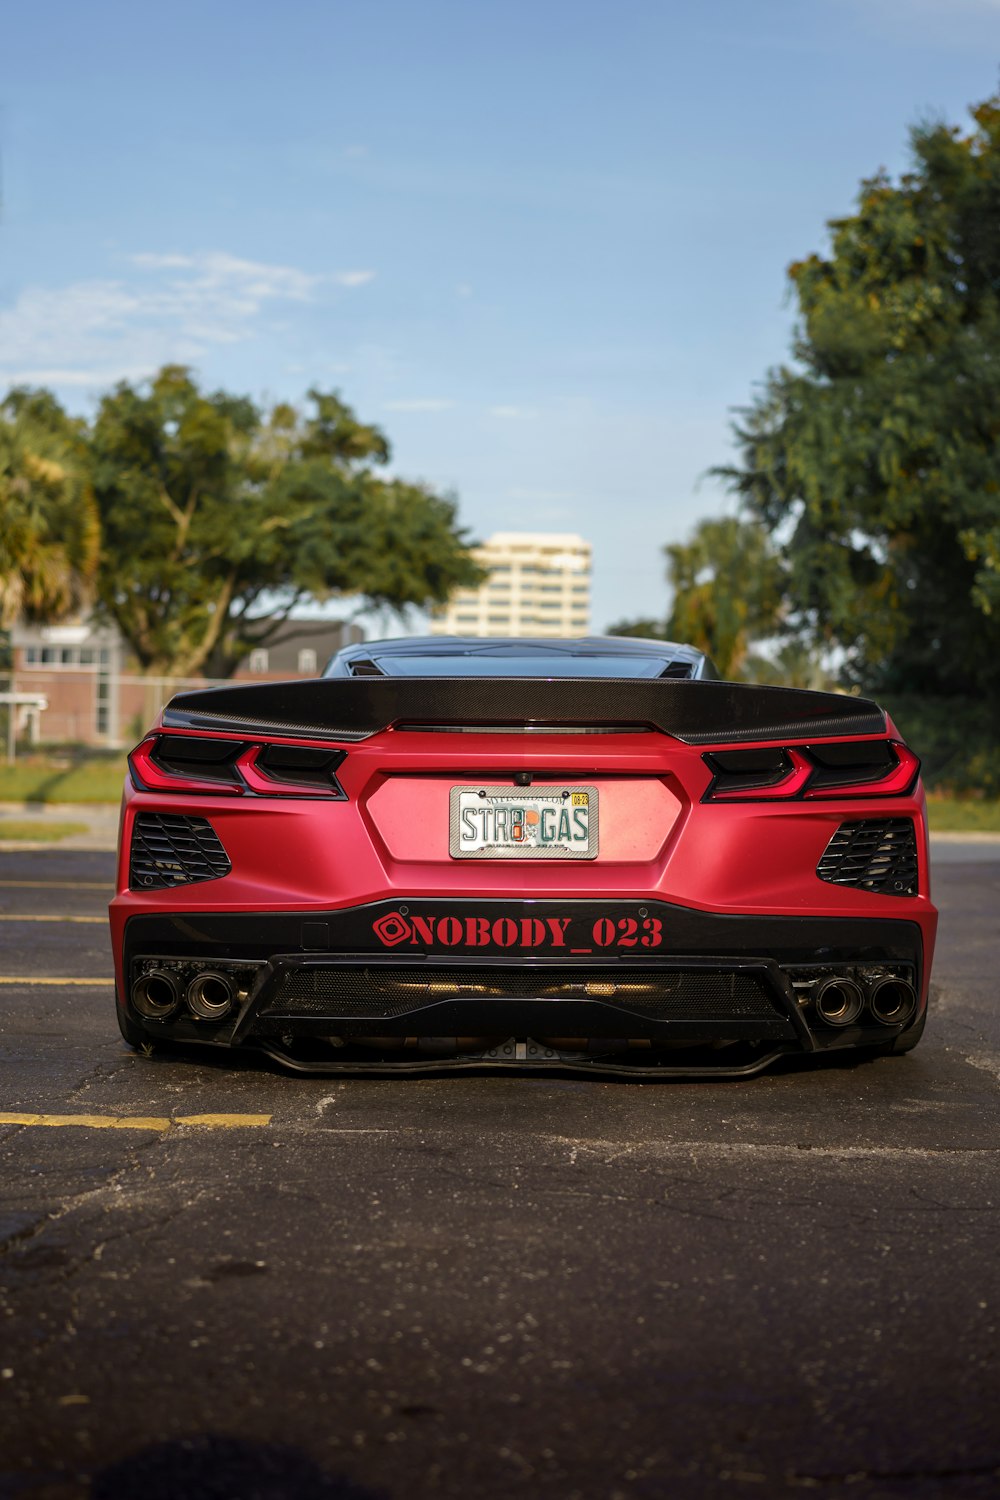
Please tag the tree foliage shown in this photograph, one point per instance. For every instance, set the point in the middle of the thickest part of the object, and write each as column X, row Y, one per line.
column 49, row 533
column 218, row 518
column 726, row 583
column 727, row 590
column 645, row 627
column 875, row 456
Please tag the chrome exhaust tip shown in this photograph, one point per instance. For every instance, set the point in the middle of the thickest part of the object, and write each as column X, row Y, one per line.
column 156, row 994
column 839, row 1002
column 211, row 995
column 893, row 1002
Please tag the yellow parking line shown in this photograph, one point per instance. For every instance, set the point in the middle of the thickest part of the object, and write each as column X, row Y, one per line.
column 56, row 885
column 139, row 1122
column 93, row 1122
column 31, row 979
column 12, row 916
column 223, row 1122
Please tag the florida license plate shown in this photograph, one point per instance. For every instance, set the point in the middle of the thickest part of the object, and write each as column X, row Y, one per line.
column 505, row 822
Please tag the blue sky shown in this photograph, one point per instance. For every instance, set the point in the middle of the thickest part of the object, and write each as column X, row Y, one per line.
column 542, row 244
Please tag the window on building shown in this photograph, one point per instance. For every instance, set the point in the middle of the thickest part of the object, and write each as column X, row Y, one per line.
column 30, row 656
column 307, row 660
column 86, row 656
column 258, row 660
column 102, row 718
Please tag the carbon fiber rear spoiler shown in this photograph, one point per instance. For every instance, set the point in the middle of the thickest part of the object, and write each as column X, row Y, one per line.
column 699, row 713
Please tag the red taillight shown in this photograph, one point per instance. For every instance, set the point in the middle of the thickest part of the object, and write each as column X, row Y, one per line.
column 835, row 769
column 156, row 778
column 895, row 782
column 790, row 780
column 219, row 766
column 286, row 771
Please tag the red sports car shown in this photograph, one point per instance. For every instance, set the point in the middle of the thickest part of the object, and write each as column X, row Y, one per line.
column 579, row 853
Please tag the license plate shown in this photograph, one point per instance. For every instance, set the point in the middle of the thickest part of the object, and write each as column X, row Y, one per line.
column 505, row 822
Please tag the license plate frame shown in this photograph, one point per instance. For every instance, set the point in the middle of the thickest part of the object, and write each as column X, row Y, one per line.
column 557, row 796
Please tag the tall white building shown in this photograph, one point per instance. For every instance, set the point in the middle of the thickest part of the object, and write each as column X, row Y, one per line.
column 538, row 584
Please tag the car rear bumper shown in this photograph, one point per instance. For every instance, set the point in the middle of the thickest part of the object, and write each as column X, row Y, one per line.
column 501, row 975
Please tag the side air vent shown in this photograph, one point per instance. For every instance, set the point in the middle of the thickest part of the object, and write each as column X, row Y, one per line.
column 170, row 849
column 875, row 854
column 678, row 671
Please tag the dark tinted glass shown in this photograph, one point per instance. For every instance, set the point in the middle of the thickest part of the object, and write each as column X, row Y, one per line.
column 482, row 664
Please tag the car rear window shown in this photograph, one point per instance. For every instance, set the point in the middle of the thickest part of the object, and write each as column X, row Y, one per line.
column 530, row 664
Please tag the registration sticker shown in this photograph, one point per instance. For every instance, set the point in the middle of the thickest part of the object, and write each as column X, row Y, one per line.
column 540, row 822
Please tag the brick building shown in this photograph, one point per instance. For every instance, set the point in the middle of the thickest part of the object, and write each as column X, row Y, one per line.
column 97, row 697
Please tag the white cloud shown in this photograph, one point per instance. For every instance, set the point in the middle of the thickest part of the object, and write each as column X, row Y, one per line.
column 83, row 378
column 215, row 270
column 514, row 413
column 420, row 403
column 169, row 306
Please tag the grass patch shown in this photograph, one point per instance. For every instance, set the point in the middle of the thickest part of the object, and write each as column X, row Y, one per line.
column 37, row 831
column 963, row 814
column 37, row 778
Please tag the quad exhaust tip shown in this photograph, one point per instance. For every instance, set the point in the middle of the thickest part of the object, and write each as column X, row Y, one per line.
column 839, row 1002
column 211, row 995
column 156, row 994
column 892, row 1001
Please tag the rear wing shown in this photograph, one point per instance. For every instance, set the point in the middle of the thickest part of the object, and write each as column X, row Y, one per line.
column 698, row 713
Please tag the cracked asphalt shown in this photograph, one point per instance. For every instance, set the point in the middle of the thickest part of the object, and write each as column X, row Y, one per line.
column 492, row 1286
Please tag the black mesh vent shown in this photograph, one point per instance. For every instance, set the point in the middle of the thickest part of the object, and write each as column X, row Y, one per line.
column 381, row 993
column 171, row 849
column 875, row 854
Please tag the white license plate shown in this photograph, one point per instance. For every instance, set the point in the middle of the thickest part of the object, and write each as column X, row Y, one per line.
column 509, row 822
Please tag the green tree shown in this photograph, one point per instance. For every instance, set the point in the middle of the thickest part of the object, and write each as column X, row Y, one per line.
column 727, row 590
column 875, row 455
column 220, row 518
column 49, row 531
column 645, row 627
column 726, row 583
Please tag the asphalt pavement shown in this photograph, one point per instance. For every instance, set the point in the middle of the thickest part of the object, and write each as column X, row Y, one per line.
column 220, row 1280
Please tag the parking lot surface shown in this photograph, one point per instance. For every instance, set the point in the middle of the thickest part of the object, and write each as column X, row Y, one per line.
column 218, row 1279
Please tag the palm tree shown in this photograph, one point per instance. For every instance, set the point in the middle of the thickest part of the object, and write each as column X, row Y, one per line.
column 49, row 528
